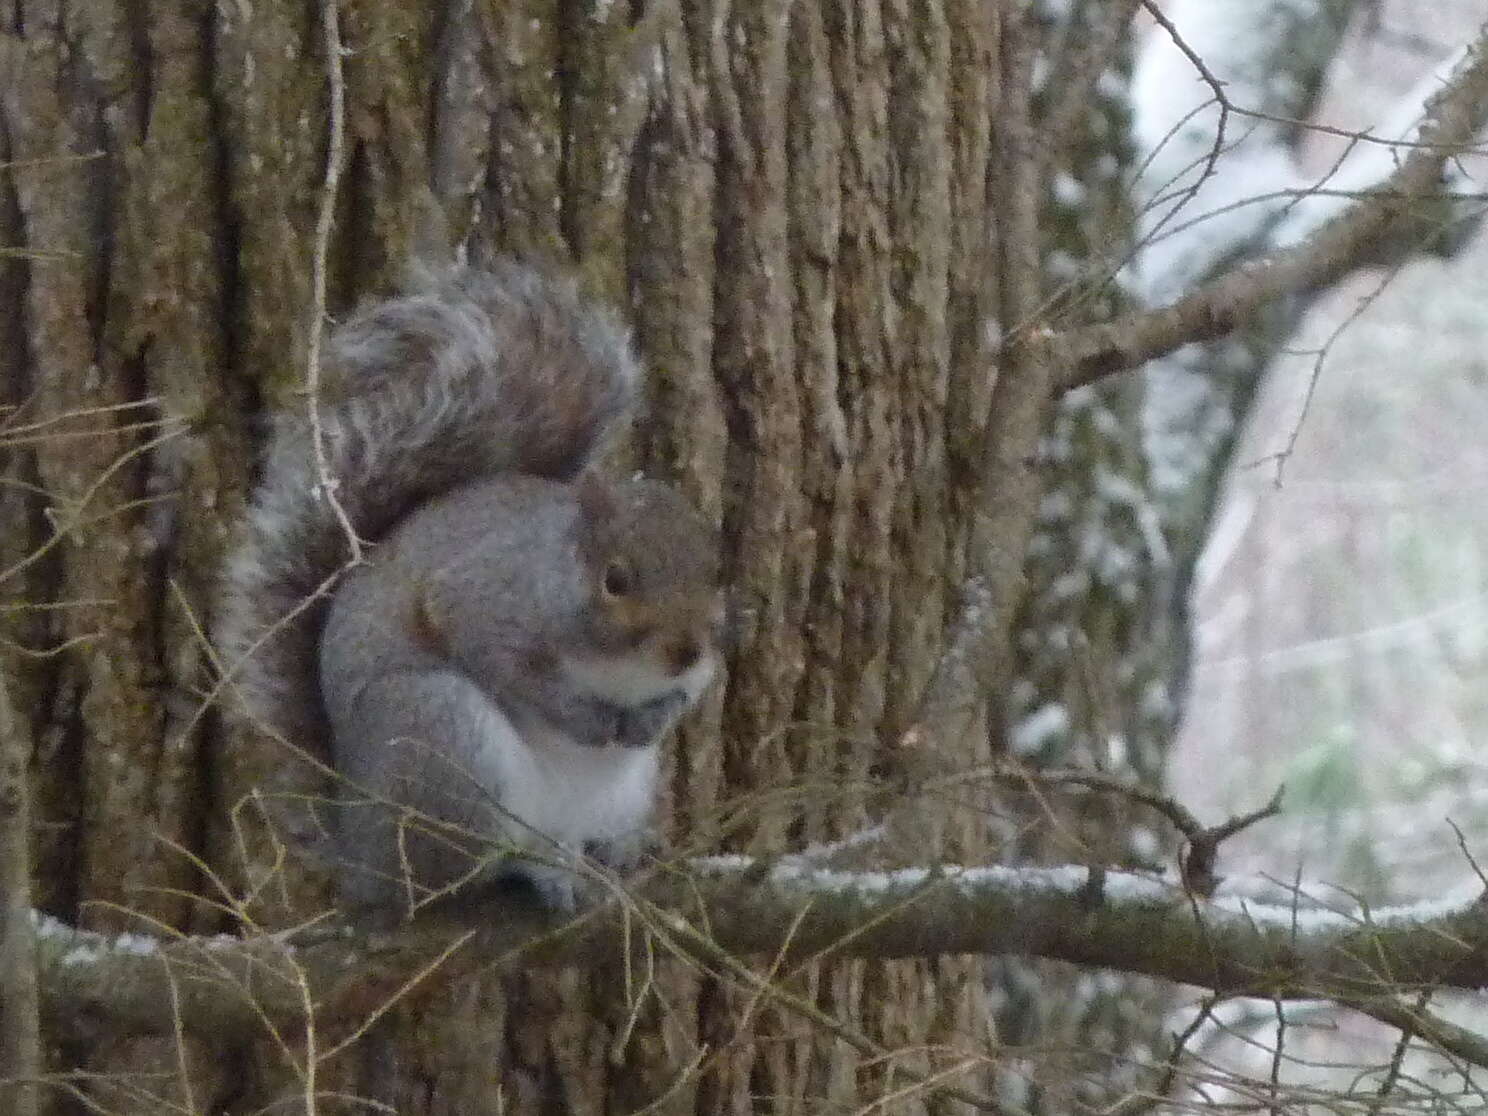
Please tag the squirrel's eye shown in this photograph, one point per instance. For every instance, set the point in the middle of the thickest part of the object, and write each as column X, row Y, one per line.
column 617, row 580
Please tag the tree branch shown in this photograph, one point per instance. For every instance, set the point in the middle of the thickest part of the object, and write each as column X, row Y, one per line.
column 1416, row 1020
column 1218, row 306
column 1203, row 841
column 790, row 913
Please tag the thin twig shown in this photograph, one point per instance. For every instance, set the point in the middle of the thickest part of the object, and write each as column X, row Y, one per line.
column 1216, row 307
column 1203, row 840
column 327, row 484
column 1216, row 149
column 1416, row 1021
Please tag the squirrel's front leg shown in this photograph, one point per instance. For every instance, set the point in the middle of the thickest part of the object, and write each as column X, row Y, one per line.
column 587, row 721
column 544, row 693
column 594, row 721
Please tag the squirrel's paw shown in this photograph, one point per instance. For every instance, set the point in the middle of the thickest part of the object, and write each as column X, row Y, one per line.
column 558, row 889
column 639, row 726
column 568, row 890
column 625, row 853
column 589, row 722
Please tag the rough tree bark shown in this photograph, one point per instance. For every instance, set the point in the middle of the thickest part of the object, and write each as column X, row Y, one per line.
column 790, row 202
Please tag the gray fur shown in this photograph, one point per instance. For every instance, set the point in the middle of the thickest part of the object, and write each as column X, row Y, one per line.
column 472, row 374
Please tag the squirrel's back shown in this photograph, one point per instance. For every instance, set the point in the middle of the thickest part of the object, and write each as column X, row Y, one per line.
column 471, row 373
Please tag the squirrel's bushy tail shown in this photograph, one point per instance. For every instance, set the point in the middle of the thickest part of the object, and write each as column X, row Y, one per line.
column 472, row 373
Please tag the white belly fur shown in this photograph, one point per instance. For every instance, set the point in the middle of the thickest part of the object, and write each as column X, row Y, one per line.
column 553, row 788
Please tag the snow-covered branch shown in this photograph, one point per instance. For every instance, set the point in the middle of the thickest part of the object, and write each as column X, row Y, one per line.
column 1215, row 91
column 1347, row 239
column 742, row 907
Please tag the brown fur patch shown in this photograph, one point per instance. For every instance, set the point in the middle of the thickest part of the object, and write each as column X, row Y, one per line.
column 424, row 627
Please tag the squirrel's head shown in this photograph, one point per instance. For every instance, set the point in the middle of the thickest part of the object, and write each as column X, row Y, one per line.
column 651, row 626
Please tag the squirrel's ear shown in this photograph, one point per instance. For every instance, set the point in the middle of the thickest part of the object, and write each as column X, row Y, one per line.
column 596, row 499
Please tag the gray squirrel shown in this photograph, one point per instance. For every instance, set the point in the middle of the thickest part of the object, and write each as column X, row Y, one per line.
column 492, row 679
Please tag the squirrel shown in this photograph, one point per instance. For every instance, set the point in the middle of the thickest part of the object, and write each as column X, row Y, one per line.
column 489, row 683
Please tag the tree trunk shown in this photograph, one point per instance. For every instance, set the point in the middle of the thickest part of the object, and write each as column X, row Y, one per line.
column 790, row 201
